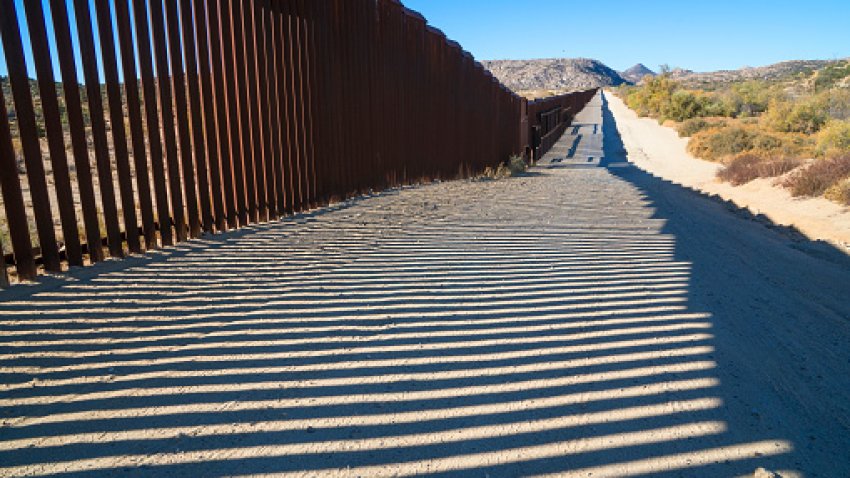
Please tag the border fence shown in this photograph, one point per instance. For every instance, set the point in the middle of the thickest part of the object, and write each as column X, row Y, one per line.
column 550, row 117
column 177, row 118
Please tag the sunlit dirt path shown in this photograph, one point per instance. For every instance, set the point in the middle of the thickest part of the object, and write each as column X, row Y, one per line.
column 586, row 319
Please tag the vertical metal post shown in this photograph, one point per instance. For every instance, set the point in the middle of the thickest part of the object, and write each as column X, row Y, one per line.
column 55, row 135
column 265, row 59
column 98, row 127
column 143, row 48
column 116, row 116
column 134, row 113
column 209, row 97
column 13, row 200
column 178, row 84
column 76, row 126
column 249, row 196
column 28, row 128
column 227, row 132
column 167, row 112
column 193, row 82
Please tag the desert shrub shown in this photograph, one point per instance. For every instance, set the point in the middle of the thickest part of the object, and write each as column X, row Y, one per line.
column 714, row 144
column 514, row 166
column 818, row 177
column 517, row 165
column 716, row 105
column 839, row 192
column 834, row 138
column 766, row 142
column 650, row 98
column 682, row 105
column 695, row 125
column 663, row 98
column 828, row 76
column 749, row 98
column 805, row 116
column 835, row 102
column 499, row 172
column 721, row 143
column 746, row 167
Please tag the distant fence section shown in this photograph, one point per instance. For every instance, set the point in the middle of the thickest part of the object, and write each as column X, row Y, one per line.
column 196, row 117
column 548, row 118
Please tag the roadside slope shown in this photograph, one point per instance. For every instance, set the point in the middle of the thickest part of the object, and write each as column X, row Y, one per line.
column 660, row 151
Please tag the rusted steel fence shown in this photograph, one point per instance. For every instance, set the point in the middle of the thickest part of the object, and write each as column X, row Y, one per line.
column 189, row 117
column 549, row 117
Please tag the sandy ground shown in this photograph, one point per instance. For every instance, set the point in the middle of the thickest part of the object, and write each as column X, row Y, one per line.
column 587, row 319
column 660, row 151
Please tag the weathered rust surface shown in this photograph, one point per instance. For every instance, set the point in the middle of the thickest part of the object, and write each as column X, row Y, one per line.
column 242, row 111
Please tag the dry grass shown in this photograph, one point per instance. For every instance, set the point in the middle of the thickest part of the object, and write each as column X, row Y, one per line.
column 834, row 139
column 721, row 144
column 818, row 177
column 839, row 192
column 746, row 167
column 515, row 166
column 499, row 172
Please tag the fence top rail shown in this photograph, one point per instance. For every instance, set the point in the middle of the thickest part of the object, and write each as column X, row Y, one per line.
column 414, row 14
column 561, row 97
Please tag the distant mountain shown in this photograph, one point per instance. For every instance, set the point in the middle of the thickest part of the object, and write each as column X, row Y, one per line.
column 786, row 70
column 636, row 73
column 553, row 74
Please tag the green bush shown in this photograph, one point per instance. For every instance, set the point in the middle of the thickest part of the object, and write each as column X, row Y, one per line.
column 750, row 98
column 683, row 105
column 651, row 97
column 715, row 144
column 836, row 103
column 716, row 105
column 806, row 116
column 834, row 138
column 517, row 165
column 695, row 125
column 664, row 99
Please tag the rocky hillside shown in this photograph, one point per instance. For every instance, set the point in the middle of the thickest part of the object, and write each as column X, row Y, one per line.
column 786, row 70
column 636, row 73
column 553, row 74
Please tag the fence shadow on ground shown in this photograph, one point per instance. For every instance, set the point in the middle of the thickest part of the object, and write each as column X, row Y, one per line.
column 389, row 337
column 759, row 271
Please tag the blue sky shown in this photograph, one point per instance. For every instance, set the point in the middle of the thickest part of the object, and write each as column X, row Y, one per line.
column 694, row 34
column 698, row 35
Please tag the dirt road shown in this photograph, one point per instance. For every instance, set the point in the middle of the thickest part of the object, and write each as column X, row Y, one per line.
column 659, row 150
column 587, row 319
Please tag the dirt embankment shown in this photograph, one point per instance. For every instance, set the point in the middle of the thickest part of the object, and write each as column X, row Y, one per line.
column 659, row 150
